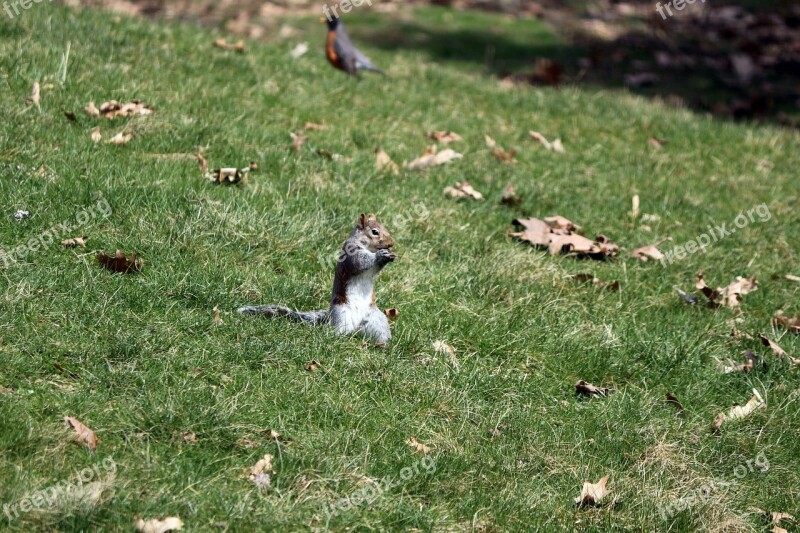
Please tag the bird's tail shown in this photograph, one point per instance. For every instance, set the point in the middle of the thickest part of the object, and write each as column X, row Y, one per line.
column 309, row 317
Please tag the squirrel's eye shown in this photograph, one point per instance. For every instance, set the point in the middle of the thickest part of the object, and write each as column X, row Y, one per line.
column 375, row 232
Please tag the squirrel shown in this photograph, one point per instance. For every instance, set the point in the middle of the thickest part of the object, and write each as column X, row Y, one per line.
column 352, row 308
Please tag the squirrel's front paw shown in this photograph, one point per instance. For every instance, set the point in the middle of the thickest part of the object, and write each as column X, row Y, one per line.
column 386, row 255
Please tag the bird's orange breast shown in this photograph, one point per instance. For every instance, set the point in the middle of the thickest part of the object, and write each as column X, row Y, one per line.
column 330, row 51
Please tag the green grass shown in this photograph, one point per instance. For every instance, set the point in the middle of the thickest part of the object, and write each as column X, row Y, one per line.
column 139, row 359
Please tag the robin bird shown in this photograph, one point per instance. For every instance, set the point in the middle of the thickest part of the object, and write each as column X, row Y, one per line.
column 342, row 54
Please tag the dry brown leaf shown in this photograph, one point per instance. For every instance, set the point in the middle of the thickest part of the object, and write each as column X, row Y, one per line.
column 502, row 155
column 635, row 206
column 297, row 141
column 217, row 320
column 113, row 109
column 778, row 351
column 740, row 411
column 261, row 472
column 445, row 137
column 729, row 296
column 391, row 313
column 96, row 135
column 587, row 389
column 201, row 162
column 672, row 400
column 238, row 46
column 82, row 433
column 119, row 263
column 443, row 347
column 792, row 277
column 566, row 244
column 6, row 390
column 650, row 252
column 554, row 146
column 333, row 157
column 557, row 146
column 228, row 175
column 777, row 518
column 592, row 493
column 655, row 142
column 792, row 323
column 418, row 446
column 313, row 365
column 34, row 97
column 121, row 138
column 461, row 190
column 311, row 126
column 431, row 158
column 561, row 224
column 536, row 232
column 190, row 437
column 154, row 525
column 510, row 197
column 75, row 242
column 383, row 161
column 732, row 366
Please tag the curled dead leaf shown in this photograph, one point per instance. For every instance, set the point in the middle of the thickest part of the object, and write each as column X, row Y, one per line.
column 431, row 158
column 587, row 389
column 297, row 141
column 650, row 252
column 75, row 242
column 228, row 175
column 96, row 135
column 445, row 137
column 740, row 411
column 113, row 109
column 217, row 320
column 592, row 493
column 729, row 296
column 238, row 46
column 261, row 472
column 154, row 525
column 82, row 433
column 418, row 446
column 120, row 138
column 383, row 161
column 778, row 351
column 462, row 189
column 311, row 126
column 313, row 365
column 119, row 263
column 510, row 198
column 444, row 348
column 391, row 313
column 554, row 146
column 792, row 323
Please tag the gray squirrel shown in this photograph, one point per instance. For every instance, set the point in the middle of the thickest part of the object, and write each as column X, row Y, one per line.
column 353, row 308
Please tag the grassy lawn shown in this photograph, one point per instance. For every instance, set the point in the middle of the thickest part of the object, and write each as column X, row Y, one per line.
column 140, row 360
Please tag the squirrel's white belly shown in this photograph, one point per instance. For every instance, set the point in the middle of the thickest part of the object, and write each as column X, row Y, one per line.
column 350, row 315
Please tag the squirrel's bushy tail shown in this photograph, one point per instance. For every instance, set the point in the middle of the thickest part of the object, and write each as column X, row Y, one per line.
column 310, row 317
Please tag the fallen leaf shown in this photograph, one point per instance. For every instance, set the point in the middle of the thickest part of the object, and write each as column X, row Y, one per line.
column 261, row 472
column 333, row 157
column 383, row 161
column 297, row 141
column 635, row 206
column 75, row 242
column 461, row 190
column 728, row 296
column 655, row 142
column 201, row 162
column 592, row 493
column 792, row 323
column 238, row 46
column 311, row 126
column 504, row 156
column 6, row 390
column 313, row 365
column 650, row 252
column 82, row 433
column 547, row 72
column 554, row 146
column 587, row 389
column 777, row 518
column 431, row 158
column 119, row 263
column 391, row 313
column 740, row 411
column 792, row 277
column 228, row 175
column 445, row 137
column 418, row 446
column 96, row 135
column 536, row 232
column 672, row 400
column 190, row 437
column 121, row 138
column 113, row 109
column 510, row 197
column 778, row 351
column 217, row 320
column 732, row 366
column 299, row 50
column 444, row 348
column 560, row 224
column 34, row 97
column 153, row 525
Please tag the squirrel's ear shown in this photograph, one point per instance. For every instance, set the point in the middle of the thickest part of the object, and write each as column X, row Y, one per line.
column 362, row 221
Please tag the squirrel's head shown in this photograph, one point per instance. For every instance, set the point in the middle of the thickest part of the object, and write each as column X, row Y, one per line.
column 374, row 235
